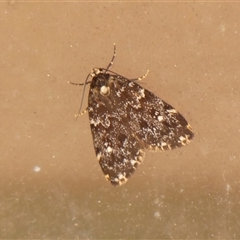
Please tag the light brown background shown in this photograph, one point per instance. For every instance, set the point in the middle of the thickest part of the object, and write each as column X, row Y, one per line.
column 192, row 51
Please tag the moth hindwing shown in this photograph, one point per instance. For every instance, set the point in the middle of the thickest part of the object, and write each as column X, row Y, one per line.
column 127, row 119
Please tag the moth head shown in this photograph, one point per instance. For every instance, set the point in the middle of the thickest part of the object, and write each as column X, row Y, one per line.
column 101, row 83
column 96, row 71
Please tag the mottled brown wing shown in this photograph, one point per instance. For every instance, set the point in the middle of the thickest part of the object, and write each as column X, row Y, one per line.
column 125, row 120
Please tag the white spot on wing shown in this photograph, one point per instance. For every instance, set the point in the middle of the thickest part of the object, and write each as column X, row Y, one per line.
column 172, row 111
column 160, row 118
column 121, row 179
column 142, row 92
column 99, row 156
column 95, row 123
column 131, row 84
column 182, row 138
column 163, row 144
column 109, row 149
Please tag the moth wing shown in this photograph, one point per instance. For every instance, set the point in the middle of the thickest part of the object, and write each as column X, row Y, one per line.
column 125, row 120
column 151, row 120
column 161, row 126
column 118, row 150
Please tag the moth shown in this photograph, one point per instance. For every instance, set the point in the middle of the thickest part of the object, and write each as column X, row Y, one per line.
column 126, row 120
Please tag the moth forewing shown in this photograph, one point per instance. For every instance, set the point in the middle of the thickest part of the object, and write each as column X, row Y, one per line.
column 126, row 120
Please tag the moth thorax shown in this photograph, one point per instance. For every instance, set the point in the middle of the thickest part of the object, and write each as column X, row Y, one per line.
column 105, row 90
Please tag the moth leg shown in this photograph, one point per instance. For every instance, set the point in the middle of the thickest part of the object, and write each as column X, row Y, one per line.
column 113, row 57
column 141, row 78
column 78, row 84
column 81, row 113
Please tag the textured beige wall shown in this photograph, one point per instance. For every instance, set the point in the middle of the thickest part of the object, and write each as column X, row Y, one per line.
column 51, row 183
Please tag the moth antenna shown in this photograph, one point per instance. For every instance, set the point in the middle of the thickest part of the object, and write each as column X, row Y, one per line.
column 113, row 57
column 87, row 82
column 142, row 77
